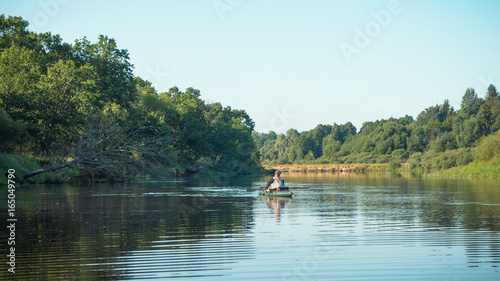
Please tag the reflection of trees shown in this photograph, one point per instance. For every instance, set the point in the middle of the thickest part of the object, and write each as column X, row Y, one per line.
column 472, row 204
column 442, row 203
column 71, row 234
column 412, row 203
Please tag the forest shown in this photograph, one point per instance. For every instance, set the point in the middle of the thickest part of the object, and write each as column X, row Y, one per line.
column 79, row 107
column 441, row 137
column 77, row 111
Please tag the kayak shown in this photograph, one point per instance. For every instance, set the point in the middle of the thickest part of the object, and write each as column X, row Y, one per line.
column 281, row 193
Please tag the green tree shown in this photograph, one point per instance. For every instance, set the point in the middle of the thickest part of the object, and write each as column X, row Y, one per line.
column 192, row 127
column 115, row 80
column 330, row 147
column 316, row 139
column 230, row 137
column 342, row 132
column 418, row 139
column 292, row 135
column 10, row 130
column 470, row 102
column 467, row 130
column 303, row 145
column 19, row 93
column 281, row 146
column 65, row 100
column 435, row 115
column 493, row 99
column 14, row 32
column 445, row 141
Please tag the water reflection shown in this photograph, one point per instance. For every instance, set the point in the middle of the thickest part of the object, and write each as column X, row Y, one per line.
column 347, row 226
column 276, row 204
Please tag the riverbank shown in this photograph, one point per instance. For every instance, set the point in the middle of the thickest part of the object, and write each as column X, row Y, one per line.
column 479, row 169
column 25, row 164
column 332, row 168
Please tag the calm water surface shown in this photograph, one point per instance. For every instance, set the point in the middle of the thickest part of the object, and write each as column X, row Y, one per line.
column 337, row 227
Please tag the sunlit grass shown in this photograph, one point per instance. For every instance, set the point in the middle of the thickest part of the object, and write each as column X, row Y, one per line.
column 477, row 169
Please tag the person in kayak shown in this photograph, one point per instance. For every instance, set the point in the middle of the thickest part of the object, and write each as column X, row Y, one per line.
column 275, row 183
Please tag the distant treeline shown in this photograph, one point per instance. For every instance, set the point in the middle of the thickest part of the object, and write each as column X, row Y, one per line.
column 440, row 138
column 80, row 105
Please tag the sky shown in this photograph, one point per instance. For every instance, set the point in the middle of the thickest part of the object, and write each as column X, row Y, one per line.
column 295, row 64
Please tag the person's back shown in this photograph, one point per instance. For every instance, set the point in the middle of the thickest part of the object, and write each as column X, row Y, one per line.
column 276, row 182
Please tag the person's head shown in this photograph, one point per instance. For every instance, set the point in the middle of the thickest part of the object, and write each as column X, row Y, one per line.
column 277, row 173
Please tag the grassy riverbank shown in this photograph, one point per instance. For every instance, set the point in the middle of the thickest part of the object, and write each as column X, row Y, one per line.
column 484, row 163
column 23, row 164
column 322, row 168
column 478, row 169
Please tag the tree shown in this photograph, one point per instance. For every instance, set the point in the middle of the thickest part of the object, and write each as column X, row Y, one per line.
column 230, row 137
column 10, row 130
column 488, row 112
column 418, row 139
column 435, row 114
column 316, row 136
column 444, row 142
column 330, row 147
column 493, row 99
column 281, row 146
column 470, row 102
column 292, row 135
column 492, row 94
column 19, row 93
column 65, row 100
column 303, row 145
column 14, row 32
column 115, row 80
column 467, row 132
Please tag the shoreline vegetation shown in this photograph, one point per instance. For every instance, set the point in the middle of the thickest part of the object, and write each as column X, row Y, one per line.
column 485, row 163
column 331, row 168
column 441, row 141
column 475, row 170
column 74, row 112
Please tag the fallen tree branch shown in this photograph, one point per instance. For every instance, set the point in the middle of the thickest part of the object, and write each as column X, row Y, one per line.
column 103, row 143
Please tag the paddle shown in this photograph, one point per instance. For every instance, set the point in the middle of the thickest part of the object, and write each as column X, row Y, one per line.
column 255, row 189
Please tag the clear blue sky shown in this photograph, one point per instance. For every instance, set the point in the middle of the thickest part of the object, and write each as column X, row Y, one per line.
column 295, row 64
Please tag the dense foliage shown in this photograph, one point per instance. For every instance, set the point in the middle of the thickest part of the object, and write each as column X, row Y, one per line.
column 440, row 137
column 81, row 104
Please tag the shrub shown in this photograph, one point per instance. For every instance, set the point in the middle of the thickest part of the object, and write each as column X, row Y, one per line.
column 393, row 165
column 399, row 155
column 383, row 159
column 282, row 161
column 488, row 147
column 414, row 164
column 309, row 156
column 464, row 157
column 416, row 156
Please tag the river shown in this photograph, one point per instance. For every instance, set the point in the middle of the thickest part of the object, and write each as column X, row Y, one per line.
column 336, row 227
